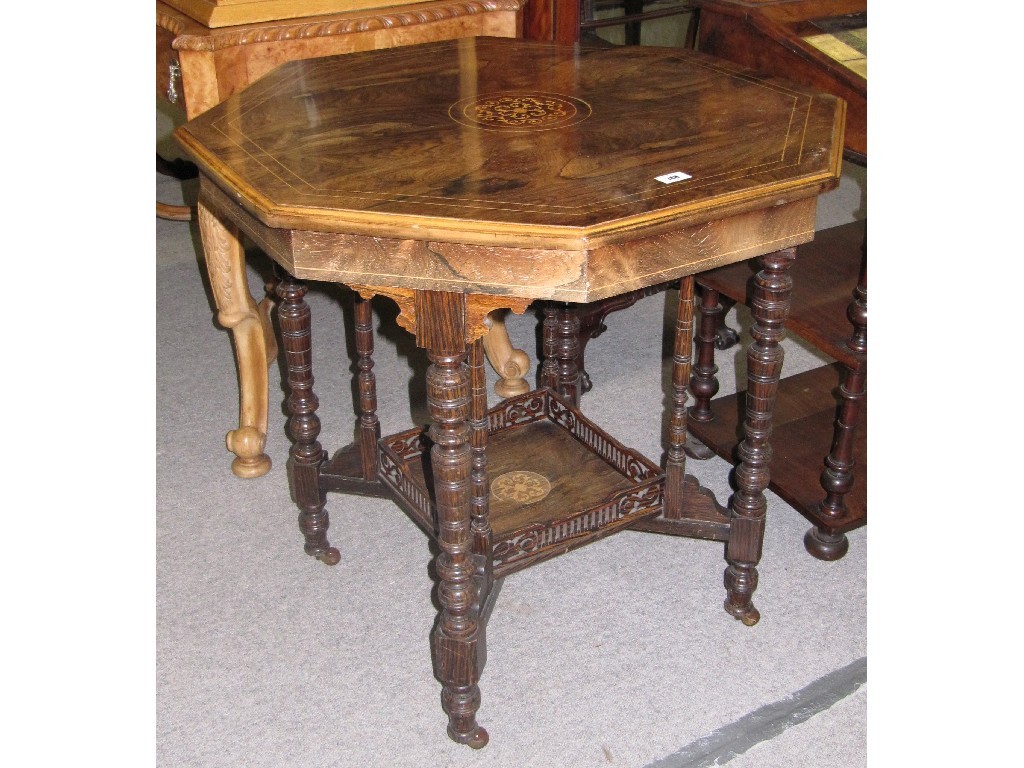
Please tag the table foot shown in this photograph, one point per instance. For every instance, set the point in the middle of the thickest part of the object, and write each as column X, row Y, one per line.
column 749, row 617
column 726, row 337
column 329, row 556
column 825, row 546
column 740, row 583
column 477, row 739
column 247, row 443
column 461, row 704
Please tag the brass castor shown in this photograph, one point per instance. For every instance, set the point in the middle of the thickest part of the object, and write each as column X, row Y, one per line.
column 749, row 617
column 477, row 739
column 330, row 556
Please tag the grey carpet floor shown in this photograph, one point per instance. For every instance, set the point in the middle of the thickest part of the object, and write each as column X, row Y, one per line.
column 619, row 654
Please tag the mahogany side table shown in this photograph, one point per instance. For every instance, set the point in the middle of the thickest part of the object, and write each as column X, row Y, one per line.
column 460, row 176
column 198, row 66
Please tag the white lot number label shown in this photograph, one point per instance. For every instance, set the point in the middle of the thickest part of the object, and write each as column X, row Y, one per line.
column 672, row 178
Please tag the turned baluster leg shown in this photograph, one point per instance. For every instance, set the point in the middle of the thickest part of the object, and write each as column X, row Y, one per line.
column 560, row 371
column 480, row 526
column 369, row 424
column 770, row 306
column 837, row 476
column 237, row 311
column 306, row 454
column 675, row 463
column 459, row 635
column 704, row 381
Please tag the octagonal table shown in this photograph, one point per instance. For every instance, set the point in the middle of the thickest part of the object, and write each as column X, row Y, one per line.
column 464, row 176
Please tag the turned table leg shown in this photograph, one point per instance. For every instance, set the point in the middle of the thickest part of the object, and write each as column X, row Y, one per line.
column 306, row 455
column 703, row 380
column 480, row 525
column 770, row 302
column 254, row 341
column 369, row 423
column 459, row 644
column 560, row 371
column 837, row 476
column 682, row 359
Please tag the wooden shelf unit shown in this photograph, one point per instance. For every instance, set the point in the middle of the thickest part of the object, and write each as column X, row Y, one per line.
column 826, row 275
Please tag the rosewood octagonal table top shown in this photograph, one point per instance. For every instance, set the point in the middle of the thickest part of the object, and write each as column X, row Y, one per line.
column 522, row 168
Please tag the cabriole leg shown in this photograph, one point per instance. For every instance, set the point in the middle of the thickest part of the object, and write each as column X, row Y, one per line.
column 509, row 363
column 237, row 311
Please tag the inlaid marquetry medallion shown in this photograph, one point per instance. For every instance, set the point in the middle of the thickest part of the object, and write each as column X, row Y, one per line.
column 520, row 487
column 532, row 111
column 550, row 151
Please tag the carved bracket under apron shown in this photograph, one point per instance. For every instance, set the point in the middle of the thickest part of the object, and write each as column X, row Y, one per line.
column 484, row 319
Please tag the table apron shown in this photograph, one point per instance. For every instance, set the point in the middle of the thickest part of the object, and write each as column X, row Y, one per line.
column 564, row 275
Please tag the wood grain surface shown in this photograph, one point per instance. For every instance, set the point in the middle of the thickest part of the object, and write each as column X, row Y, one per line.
column 776, row 37
column 512, row 143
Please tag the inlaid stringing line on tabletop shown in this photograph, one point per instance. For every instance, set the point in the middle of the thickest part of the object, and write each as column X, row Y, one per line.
column 508, row 206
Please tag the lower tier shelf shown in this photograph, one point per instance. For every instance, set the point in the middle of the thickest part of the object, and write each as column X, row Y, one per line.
column 557, row 481
column 803, row 422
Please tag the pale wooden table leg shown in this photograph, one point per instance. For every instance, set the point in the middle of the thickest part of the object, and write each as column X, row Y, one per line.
column 237, row 311
column 509, row 363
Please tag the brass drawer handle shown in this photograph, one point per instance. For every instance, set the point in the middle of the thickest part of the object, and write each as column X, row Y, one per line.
column 173, row 73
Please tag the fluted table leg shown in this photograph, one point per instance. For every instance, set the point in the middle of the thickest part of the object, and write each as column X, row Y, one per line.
column 459, row 646
column 770, row 303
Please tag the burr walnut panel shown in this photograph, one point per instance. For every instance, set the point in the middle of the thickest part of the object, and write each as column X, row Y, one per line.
column 497, row 142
